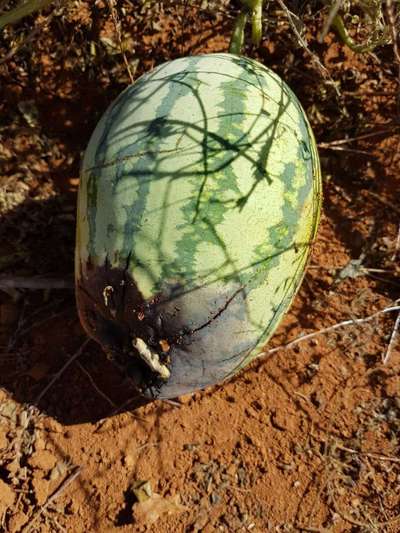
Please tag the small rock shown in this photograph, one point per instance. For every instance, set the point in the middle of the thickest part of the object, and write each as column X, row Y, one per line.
column 355, row 502
column 142, row 490
column 214, row 498
column 128, row 460
column 251, row 412
column 149, row 511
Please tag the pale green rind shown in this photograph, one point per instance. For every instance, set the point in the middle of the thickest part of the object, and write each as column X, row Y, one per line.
column 204, row 172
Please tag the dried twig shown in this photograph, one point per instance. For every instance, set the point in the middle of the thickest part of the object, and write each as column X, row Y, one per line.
column 344, row 149
column 27, row 323
column 392, row 341
column 354, row 321
column 339, row 142
column 369, row 454
column 147, row 445
column 383, row 201
column 396, row 246
column 117, row 410
column 303, row 43
column 328, row 23
column 24, row 331
column 16, row 282
column 96, row 388
column 57, row 376
column 117, row 25
column 351, row 520
column 392, row 16
column 36, row 30
column 64, row 484
column 172, row 402
column 311, row 529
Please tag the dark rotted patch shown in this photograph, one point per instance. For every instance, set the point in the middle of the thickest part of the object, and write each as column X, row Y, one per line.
column 113, row 312
column 190, row 331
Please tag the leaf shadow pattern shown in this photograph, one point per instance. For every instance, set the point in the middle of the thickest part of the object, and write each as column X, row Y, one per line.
column 217, row 165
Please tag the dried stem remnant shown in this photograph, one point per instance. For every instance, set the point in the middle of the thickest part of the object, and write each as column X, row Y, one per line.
column 150, row 358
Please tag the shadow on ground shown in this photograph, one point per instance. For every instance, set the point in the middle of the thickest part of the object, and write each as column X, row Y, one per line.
column 40, row 329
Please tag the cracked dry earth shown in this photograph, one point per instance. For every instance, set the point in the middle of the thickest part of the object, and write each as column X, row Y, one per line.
column 306, row 439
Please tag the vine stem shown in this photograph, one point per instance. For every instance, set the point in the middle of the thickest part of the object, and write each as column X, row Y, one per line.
column 237, row 39
column 22, row 10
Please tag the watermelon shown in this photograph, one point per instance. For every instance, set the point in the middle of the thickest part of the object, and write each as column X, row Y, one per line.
column 199, row 200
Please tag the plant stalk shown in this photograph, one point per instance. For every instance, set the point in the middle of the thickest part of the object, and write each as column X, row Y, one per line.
column 237, row 38
column 21, row 11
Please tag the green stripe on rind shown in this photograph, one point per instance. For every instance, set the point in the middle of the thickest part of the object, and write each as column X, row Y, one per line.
column 204, row 171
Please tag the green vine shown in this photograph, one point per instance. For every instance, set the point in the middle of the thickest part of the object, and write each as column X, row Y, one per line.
column 22, row 10
column 341, row 31
column 237, row 38
column 252, row 9
column 372, row 10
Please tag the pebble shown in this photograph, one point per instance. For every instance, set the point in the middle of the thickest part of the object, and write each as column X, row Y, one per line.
column 129, row 460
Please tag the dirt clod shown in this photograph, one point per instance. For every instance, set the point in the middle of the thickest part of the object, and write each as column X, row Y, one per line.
column 7, row 497
column 42, row 460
